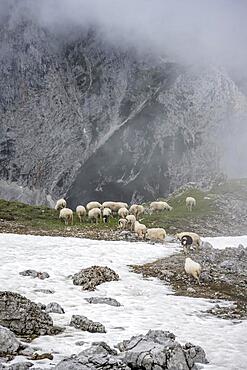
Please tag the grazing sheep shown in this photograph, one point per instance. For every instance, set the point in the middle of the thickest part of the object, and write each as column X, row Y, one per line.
column 190, row 203
column 195, row 237
column 123, row 212
column 136, row 210
column 140, row 230
column 156, row 234
column 131, row 221
column 106, row 214
column 66, row 214
column 61, row 203
column 94, row 214
column 114, row 206
column 122, row 222
column 160, row 206
column 92, row 205
column 81, row 212
column 193, row 268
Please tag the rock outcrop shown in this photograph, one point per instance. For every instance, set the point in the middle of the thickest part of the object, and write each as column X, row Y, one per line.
column 90, row 277
column 24, row 317
column 83, row 323
column 157, row 350
column 125, row 123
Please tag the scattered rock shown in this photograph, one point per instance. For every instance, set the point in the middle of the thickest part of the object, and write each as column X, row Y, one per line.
column 236, row 311
column 83, row 323
column 42, row 306
column 19, row 366
column 157, row 350
column 45, row 291
column 41, row 356
column 9, row 345
column 90, row 277
column 54, row 308
column 80, row 343
column 99, row 300
column 34, row 274
column 24, row 317
column 98, row 357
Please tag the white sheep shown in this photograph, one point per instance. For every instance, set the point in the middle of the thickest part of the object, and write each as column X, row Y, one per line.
column 122, row 223
column 94, row 214
column 114, row 206
column 123, row 212
column 160, row 206
column 195, row 237
column 92, row 205
column 190, row 203
column 106, row 213
column 131, row 221
column 140, row 229
column 61, row 203
column 136, row 210
column 81, row 212
column 193, row 268
column 156, row 234
column 66, row 214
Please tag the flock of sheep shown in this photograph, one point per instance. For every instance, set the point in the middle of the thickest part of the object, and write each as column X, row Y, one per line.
column 128, row 219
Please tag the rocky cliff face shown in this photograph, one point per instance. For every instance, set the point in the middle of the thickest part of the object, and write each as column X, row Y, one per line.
column 83, row 118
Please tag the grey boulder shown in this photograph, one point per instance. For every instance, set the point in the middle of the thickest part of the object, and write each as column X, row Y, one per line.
column 90, row 277
column 83, row 323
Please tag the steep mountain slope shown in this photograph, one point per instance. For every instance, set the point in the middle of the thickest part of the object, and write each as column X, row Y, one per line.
column 84, row 118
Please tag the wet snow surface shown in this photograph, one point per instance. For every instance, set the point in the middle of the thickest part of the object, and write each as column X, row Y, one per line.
column 146, row 303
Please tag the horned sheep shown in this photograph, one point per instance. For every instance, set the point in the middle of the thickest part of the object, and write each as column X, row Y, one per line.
column 81, row 212
column 195, row 237
column 66, row 214
column 193, row 268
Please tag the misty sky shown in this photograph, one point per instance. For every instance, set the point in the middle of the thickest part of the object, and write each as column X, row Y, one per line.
column 210, row 31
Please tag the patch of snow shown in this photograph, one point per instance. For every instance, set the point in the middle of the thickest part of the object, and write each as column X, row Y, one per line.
column 146, row 303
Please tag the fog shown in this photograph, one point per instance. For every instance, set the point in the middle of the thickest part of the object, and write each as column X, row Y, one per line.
column 186, row 31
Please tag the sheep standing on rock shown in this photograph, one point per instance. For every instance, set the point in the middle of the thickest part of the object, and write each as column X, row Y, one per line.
column 81, row 212
column 140, row 230
column 106, row 214
column 122, row 223
column 195, row 237
column 190, row 203
column 136, row 210
column 66, row 214
column 156, row 234
column 61, row 203
column 160, row 206
column 123, row 212
column 92, row 205
column 131, row 221
column 94, row 214
column 193, row 268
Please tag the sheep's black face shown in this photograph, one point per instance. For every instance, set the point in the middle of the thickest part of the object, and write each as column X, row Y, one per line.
column 186, row 240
